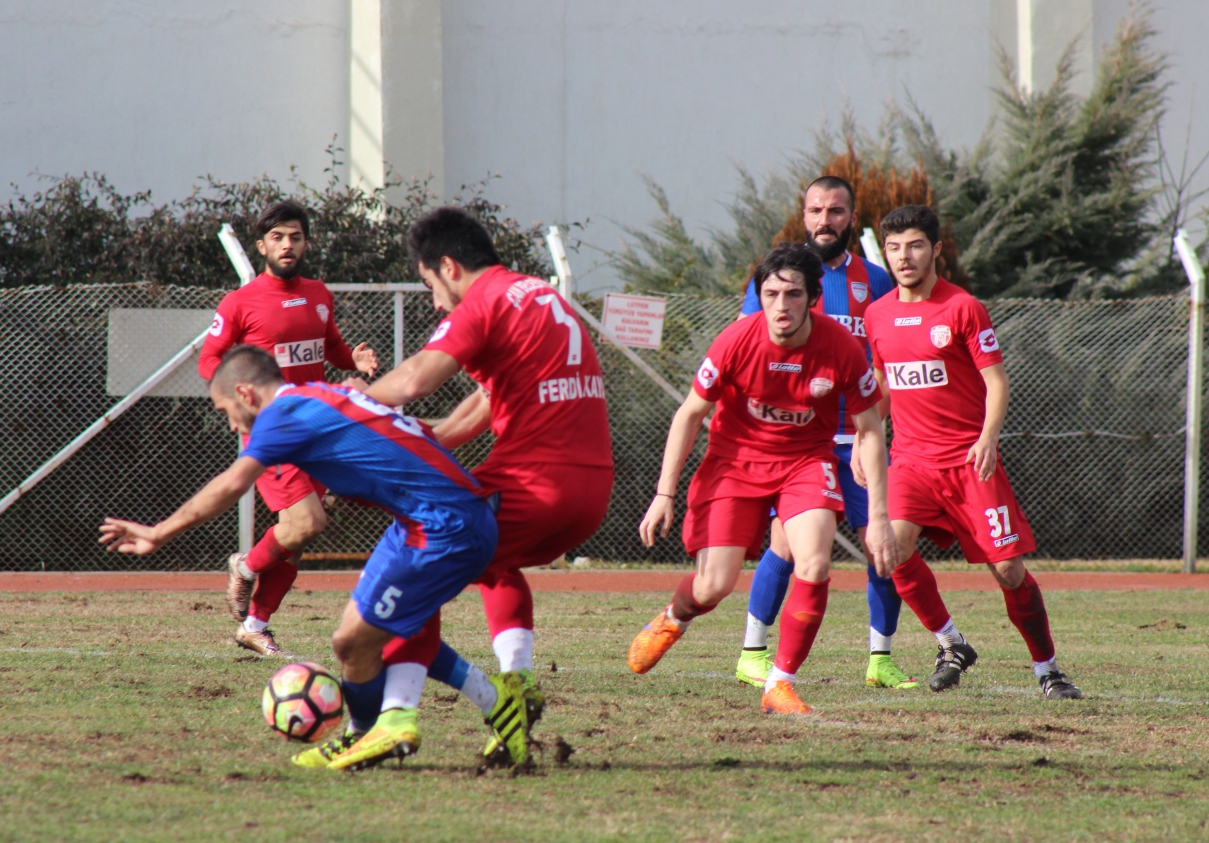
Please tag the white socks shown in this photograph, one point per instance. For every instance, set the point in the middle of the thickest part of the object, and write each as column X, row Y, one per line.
column 679, row 624
column 775, row 675
column 252, row 624
column 514, row 648
column 757, row 633
column 479, row 690
column 404, row 683
column 948, row 635
column 1042, row 668
column 879, row 643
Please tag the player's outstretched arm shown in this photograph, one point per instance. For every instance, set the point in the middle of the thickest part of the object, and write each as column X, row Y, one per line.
column 416, row 377
column 985, row 452
column 470, row 418
column 215, row 498
column 879, row 536
column 680, row 438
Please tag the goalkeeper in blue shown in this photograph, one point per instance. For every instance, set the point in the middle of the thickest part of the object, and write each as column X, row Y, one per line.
column 443, row 534
column 850, row 284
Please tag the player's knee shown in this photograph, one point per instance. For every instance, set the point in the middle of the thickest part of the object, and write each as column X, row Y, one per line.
column 349, row 647
column 1009, row 573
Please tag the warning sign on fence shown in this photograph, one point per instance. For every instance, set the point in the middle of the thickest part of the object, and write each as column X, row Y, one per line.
column 637, row 321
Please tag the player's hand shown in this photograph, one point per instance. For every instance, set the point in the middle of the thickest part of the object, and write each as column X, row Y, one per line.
column 658, row 520
column 984, row 455
column 365, row 360
column 359, row 384
column 128, row 537
column 881, row 543
column 858, row 470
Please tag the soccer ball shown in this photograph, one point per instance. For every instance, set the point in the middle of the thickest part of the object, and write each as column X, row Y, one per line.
column 302, row 702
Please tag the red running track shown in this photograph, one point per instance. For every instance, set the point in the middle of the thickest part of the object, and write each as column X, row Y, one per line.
column 591, row 581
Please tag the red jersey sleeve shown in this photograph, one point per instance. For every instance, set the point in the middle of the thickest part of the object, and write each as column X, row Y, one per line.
column 335, row 349
column 225, row 332
column 861, row 391
column 710, row 376
column 463, row 334
column 979, row 335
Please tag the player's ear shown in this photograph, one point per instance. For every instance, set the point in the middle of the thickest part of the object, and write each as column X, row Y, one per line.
column 261, row 247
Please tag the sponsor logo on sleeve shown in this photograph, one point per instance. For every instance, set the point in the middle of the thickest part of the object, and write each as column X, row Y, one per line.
column 919, row 374
column 293, row 303
column 907, row 321
column 867, row 384
column 323, row 312
column 820, row 387
column 298, row 353
column 940, row 335
column 860, row 290
column 775, row 415
column 217, row 325
column 441, row 331
column 987, row 340
column 707, row 375
column 785, row 367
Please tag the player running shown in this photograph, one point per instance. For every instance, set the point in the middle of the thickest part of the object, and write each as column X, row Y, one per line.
column 542, row 394
column 442, row 537
column 935, row 351
column 850, row 284
column 292, row 318
column 777, row 380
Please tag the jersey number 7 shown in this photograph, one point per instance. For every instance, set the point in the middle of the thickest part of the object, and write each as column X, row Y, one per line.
column 575, row 340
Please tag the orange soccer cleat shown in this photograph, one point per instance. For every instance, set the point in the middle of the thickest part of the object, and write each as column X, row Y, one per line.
column 782, row 699
column 655, row 639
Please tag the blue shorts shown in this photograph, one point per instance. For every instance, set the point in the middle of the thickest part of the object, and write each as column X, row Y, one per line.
column 856, row 498
column 403, row 586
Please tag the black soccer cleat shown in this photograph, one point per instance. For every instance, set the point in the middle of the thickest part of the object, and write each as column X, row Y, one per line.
column 1055, row 686
column 951, row 662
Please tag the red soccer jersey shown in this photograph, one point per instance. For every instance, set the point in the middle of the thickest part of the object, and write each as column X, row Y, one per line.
column 520, row 340
column 779, row 403
column 931, row 352
column 292, row 320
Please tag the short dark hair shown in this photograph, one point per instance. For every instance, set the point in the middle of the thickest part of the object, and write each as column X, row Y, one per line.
column 797, row 257
column 834, row 183
column 451, row 233
column 286, row 210
column 245, row 364
column 919, row 217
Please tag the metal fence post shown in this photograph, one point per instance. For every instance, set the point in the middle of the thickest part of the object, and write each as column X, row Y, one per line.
column 1196, row 351
column 246, row 272
column 398, row 297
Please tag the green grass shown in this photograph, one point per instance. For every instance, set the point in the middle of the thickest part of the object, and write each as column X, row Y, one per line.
column 129, row 716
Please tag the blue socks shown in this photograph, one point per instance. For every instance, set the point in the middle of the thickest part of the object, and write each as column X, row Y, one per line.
column 449, row 667
column 768, row 587
column 364, row 701
column 884, row 604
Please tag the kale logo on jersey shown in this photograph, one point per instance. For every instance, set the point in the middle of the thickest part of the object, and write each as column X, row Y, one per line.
column 441, row 331
column 987, row 340
column 820, row 387
column 920, row 374
column 298, row 353
column 867, row 383
column 775, row 415
column 940, row 335
column 860, row 290
column 217, row 325
column 707, row 375
column 323, row 312
column 785, row 367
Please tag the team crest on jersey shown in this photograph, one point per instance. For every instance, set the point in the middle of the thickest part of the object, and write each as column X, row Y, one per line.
column 820, row 387
column 941, row 335
column 775, row 415
column 323, row 312
column 860, row 290
column 707, row 375
column 217, row 325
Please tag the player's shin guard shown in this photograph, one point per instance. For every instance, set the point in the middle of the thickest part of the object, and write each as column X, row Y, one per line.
column 800, row 623
column 884, row 605
column 1026, row 611
column 684, row 605
column 271, row 587
column 364, row 701
column 916, row 585
column 768, row 587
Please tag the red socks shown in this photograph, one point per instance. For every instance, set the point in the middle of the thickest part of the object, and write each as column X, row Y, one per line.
column 916, row 585
column 276, row 571
column 1026, row 611
column 684, row 607
column 420, row 648
column 267, row 552
column 800, row 622
column 507, row 600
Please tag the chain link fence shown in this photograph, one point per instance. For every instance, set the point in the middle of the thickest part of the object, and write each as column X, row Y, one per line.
column 1093, row 440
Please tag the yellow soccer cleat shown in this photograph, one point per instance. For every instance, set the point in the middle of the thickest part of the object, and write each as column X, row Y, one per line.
column 395, row 735
column 753, row 667
column 326, row 752
column 509, row 720
column 884, row 673
column 782, row 699
column 496, row 754
column 655, row 639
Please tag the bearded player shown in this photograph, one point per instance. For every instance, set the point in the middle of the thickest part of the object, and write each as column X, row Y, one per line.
column 292, row 318
column 541, row 393
column 936, row 354
column 850, row 284
column 777, row 380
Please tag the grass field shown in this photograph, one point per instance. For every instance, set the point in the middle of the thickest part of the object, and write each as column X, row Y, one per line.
column 129, row 717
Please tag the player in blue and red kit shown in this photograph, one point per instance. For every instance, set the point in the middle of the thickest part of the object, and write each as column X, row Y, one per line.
column 442, row 537
column 850, row 284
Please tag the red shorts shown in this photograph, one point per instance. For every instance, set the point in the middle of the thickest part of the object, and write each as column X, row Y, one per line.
column 952, row 503
column 546, row 509
column 729, row 500
column 282, row 486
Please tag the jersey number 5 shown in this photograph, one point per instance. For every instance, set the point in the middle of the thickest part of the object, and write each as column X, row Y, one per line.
column 575, row 340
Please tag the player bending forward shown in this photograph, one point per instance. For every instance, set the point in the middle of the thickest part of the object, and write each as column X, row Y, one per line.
column 777, row 379
column 935, row 350
column 850, row 284
column 442, row 537
column 293, row 319
column 541, row 393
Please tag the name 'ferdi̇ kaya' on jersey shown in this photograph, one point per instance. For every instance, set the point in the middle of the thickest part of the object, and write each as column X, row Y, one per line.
column 776, row 403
